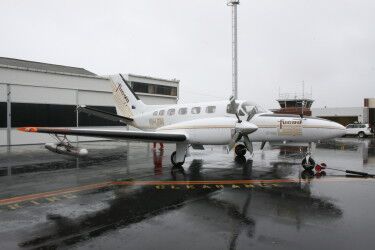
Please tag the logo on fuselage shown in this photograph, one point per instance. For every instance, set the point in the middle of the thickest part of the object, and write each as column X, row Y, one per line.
column 290, row 128
column 293, row 122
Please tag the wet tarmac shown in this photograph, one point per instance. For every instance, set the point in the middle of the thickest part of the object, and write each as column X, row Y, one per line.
column 127, row 196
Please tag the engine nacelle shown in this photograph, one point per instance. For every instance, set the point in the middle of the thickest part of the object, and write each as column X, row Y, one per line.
column 65, row 149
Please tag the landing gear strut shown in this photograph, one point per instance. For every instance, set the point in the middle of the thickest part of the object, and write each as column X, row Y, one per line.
column 240, row 150
column 308, row 162
column 173, row 160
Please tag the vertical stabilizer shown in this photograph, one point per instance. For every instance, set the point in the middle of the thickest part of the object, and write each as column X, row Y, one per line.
column 127, row 102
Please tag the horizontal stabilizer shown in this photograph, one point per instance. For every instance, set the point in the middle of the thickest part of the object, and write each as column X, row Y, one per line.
column 104, row 115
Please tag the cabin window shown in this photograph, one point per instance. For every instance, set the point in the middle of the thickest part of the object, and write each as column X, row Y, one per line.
column 182, row 111
column 155, row 113
column 171, row 112
column 161, row 112
column 196, row 110
column 210, row 109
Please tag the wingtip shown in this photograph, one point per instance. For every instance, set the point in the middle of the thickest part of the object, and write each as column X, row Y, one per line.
column 28, row 129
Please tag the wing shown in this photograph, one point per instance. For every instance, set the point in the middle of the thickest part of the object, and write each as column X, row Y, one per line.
column 111, row 134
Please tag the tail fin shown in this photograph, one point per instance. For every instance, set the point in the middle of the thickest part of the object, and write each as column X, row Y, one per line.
column 127, row 102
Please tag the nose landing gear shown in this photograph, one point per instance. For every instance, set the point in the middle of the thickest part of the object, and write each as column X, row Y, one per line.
column 240, row 150
column 308, row 163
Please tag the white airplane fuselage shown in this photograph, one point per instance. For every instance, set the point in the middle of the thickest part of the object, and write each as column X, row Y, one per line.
column 217, row 128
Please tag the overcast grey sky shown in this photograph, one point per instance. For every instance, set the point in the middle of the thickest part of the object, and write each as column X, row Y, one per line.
column 328, row 44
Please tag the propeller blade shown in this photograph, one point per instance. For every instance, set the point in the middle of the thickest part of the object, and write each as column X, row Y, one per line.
column 237, row 136
column 248, row 144
column 263, row 144
column 233, row 108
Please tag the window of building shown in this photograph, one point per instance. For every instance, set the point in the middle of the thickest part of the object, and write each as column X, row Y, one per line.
column 210, row 109
column 171, row 112
column 154, row 89
column 140, row 87
column 155, row 113
column 3, row 114
column 196, row 110
column 182, row 111
column 161, row 112
column 165, row 90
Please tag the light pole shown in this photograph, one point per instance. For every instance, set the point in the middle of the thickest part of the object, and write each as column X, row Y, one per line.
column 233, row 4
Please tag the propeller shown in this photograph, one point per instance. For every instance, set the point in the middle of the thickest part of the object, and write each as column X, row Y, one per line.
column 242, row 128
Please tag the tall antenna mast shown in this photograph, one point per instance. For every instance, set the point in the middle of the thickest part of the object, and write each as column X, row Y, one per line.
column 233, row 4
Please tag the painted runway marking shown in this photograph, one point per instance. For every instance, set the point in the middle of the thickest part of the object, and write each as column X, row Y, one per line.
column 53, row 196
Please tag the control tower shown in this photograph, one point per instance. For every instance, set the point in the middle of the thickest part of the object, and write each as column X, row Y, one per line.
column 292, row 103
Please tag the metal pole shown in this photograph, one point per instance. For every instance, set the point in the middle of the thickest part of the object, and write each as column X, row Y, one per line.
column 9, row 116
column 234, row 4
column 77, row 113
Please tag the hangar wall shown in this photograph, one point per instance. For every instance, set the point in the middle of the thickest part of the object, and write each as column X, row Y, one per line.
column 343, row 116
column 42, row 96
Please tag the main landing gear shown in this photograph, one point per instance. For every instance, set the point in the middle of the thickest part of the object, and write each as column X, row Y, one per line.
column 178, row 156
column 174, row 161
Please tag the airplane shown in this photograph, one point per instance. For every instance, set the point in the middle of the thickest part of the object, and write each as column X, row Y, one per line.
column 235, row 123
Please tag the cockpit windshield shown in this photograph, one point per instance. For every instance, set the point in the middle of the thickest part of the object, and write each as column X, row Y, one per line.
column 251, row 108
column 247, row 108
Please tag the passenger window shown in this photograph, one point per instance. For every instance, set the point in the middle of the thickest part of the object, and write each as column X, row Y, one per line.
column 171, row 112
column 363, row 126
column 210, row 109
column 196, row 110
column 182, row 111
column 155, row 113
column 161, row 112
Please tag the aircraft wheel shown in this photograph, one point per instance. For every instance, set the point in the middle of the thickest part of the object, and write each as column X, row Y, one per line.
column 307, row 174
column 240, row 150
column 176, row 164
column 308, row 164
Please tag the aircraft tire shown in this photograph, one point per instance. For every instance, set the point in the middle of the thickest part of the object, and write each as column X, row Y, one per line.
column 240, row 150
column 176, row 164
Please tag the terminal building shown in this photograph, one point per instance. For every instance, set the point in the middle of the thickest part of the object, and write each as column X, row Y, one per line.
column 43, row 94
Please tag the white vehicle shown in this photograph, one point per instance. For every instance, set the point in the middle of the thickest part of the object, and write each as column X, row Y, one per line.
column 362, row 130
column 197, row 124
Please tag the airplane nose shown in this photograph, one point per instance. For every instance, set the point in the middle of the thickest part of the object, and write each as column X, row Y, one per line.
column 340, row 129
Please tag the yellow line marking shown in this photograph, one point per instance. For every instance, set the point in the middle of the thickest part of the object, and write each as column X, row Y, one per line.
column 218, row 184
column 34, row 202
column 52, row 199
column 14, row 206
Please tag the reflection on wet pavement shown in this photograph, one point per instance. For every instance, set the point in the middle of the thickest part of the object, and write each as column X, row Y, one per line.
column 126, row 195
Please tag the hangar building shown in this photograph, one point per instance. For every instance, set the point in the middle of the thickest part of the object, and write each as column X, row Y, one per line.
column 43, row 94
column 347, row 115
